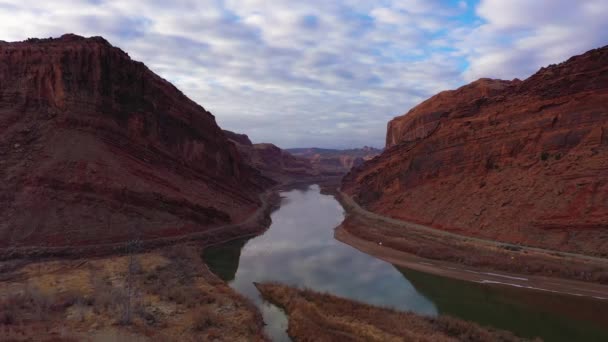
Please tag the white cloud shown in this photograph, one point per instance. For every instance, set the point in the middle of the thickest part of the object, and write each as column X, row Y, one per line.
column 324, row 73
column 518, row 37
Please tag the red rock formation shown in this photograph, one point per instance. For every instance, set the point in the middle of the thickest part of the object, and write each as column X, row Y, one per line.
column 272, row 161
column 335, row 162
column 95, row 147
column 517, row 161
column 241, row 139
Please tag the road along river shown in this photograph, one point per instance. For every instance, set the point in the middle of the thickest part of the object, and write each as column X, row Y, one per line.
column 299, row 249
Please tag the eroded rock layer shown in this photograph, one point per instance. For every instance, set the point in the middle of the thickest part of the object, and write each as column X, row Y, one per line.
column 272, row 161
column 517, row 161
column 335, row 162
column 95, row 148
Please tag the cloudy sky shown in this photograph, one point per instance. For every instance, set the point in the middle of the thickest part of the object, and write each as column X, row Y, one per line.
column 326, row 73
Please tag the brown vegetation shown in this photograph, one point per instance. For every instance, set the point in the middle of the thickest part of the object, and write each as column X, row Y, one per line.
column 173, row 296
column 323, row 317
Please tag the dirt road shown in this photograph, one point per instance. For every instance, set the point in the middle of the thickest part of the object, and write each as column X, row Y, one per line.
column 418, row 233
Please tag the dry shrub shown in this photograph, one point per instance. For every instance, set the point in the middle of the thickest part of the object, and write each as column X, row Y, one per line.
column 205, row 319
column 104, row 294
column 29, row 305
column 149, row 315
column 468, row 331
column 117, row 336
column 8, row 315
column 175, row 281
column 176, row 295
column 316, row 316
column 114, row 300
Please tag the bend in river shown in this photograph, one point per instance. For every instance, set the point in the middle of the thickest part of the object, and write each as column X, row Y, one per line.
column 299, row 249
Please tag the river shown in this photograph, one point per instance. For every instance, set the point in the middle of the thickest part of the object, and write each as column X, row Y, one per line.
column 299, row 249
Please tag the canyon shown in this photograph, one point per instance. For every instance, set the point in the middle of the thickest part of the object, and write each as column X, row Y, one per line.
column 523, row 162
column 332, row 161
column 126, row 212
column 272, row 161
column 299, row 164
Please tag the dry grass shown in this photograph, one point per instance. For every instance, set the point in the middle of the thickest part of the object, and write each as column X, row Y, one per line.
column 174, row 297
column 322, row 317
column 29, row 305
column 205, row 318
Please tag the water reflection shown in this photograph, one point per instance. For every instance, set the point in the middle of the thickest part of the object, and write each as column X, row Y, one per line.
column 299, row 249
column 224, row 261
column 553, row 317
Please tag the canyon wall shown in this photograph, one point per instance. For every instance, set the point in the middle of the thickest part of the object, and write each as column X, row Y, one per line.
column 516, row 161
column 335, row 162
column 96, row 148
column 272, row 161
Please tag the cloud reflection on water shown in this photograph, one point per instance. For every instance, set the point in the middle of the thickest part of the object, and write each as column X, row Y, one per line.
column 299, row 249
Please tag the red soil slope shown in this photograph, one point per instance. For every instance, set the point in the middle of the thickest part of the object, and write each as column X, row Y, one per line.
column 517, row 161
column 95, row 147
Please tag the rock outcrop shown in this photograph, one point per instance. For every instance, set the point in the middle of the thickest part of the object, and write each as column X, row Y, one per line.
column 335, row 162
column 517, row 161
column 96, row 148
column 241, row 139
column 272, row 161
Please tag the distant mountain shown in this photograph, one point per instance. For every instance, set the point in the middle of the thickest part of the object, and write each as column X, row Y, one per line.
column 335, row 161
column 272, row 161
column 516, row 161
column 308, row 152
column 96, row 148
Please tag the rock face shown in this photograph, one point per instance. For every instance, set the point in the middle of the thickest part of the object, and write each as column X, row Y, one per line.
column 238, row 138
column 272, row 161
column 95, row 148
column 516, row 161
column 336, row 162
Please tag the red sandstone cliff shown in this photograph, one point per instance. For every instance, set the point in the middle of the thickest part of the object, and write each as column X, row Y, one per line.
column 241, row 139
column 517, row 161
column 95, row 147
column 272, row 161
column 335, row 162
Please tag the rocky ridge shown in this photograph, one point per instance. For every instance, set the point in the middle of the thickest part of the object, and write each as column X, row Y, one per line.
column 517, row 161
column 337, row 162
column 96, row 148
column 272, row 161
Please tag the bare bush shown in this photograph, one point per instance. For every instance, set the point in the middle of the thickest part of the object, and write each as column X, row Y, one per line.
column 206, row 318
column 29, row 305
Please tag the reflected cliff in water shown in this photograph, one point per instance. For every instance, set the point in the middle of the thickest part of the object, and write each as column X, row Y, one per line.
column 224, row 260
column 551, row 316
column 299, row 249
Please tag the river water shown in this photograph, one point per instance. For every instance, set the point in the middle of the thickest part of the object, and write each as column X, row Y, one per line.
column 299, row 249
